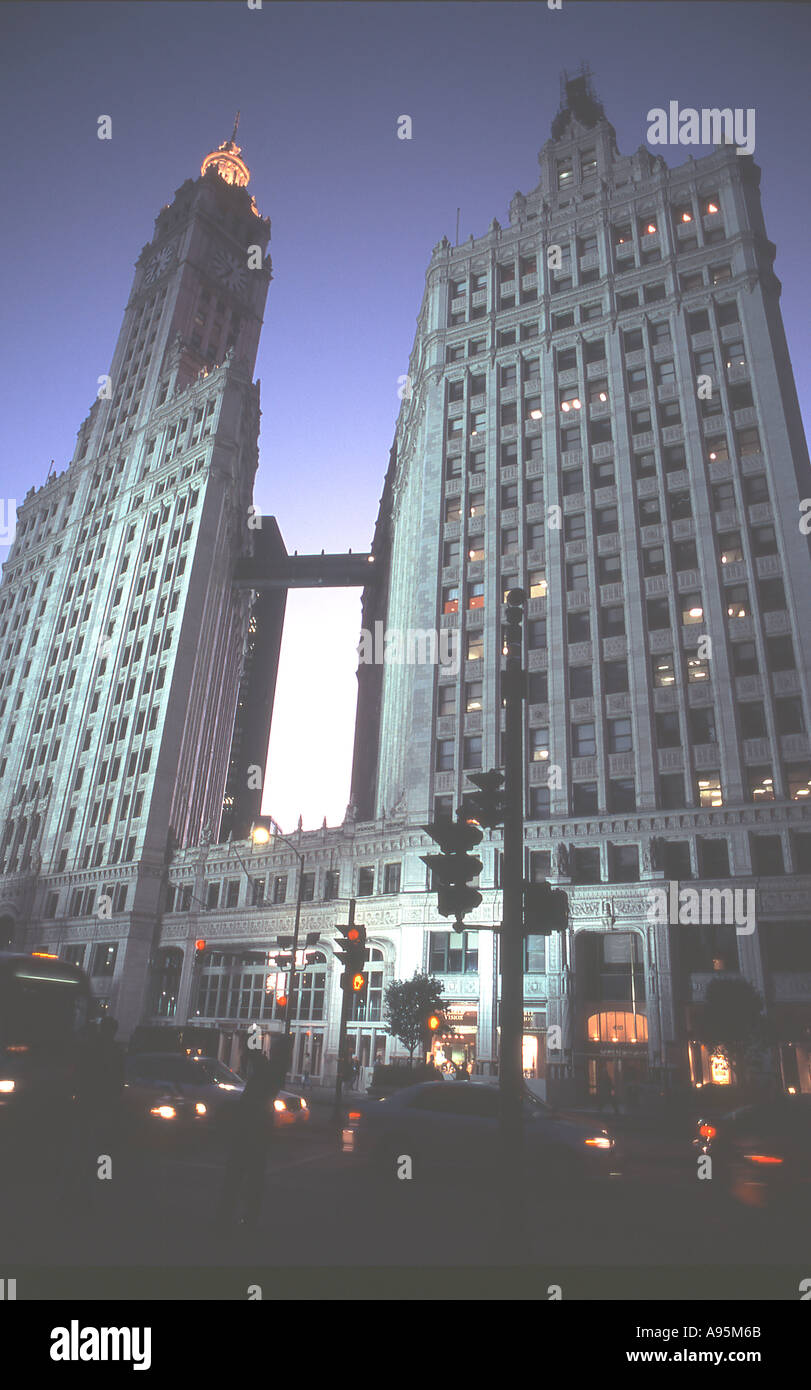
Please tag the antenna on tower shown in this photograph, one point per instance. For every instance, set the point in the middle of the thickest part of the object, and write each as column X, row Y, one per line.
column 236, row 127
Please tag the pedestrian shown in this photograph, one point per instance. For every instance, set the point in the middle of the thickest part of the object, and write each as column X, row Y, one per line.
column 251, row 1136
column 305, row 1075
column 355, row 1072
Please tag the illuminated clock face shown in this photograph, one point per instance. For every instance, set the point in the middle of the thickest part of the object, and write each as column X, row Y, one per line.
column 229, row 269
column 159, row 264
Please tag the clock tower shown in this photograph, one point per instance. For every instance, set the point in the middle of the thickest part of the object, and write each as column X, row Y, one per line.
column 118, row 705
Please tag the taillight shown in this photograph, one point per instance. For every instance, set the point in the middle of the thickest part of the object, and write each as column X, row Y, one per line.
column 762, row 1158
column 354, row 1115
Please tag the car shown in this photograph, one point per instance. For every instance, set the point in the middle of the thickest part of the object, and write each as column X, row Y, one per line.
column 193, row 1093
column 761, row 1153
column 443, row 1125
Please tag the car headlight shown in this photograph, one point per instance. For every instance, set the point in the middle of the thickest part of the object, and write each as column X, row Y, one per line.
column 6, row 1087
column 165, row 1112
column 199, row 1108
column 599, row 1141
column 279, row 1105
column 304, row 1105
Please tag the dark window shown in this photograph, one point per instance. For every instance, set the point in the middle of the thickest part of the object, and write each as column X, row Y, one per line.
column 615, row 677
column 677, row 860
column 391, row 878
column 658, row 612
column 767, row 854
column 580, row 682
column 578, row 627
column 612, row 622
column 584, row 798
column 752, row 719
column 622, row 794
column 366, row 882
column 586, row 865
column 624, row 861
column 713, row 858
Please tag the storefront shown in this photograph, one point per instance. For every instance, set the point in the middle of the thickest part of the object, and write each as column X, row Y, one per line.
column 615, row 1054
column 533, row 1045
column 457, row 1048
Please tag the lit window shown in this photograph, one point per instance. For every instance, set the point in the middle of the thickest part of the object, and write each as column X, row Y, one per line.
column 697, row 669
column 709, row 790
column 537, row 584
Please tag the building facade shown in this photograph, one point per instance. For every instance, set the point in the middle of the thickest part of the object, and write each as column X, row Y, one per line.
column 600, row 409
column 122, row 634
column 602, row 412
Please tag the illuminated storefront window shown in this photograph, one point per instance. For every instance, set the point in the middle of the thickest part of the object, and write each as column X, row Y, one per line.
column 614, row 1026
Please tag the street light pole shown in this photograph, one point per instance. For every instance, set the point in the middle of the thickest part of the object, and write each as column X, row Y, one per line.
column 259, row 835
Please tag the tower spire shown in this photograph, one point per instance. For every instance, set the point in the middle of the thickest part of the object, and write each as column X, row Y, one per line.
column 225, row 159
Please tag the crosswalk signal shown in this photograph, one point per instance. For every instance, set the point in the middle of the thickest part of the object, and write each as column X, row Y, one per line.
column 546, row 909
column 453, row 868
column 487, row 806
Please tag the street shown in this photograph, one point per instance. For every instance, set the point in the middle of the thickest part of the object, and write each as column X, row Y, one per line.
column 326, row 1208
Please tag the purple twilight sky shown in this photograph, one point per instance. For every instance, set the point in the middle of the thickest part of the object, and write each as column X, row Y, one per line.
column 355, row 214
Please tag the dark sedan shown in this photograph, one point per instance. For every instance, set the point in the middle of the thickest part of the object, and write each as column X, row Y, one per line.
column 440, row 1125
column 761, row 1154
column 171, row 1090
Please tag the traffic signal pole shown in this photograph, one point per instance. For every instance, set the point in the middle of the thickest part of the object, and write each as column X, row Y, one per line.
column 511, row 1070
column 345, row 1005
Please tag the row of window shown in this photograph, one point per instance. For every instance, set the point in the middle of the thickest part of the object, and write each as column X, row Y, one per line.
column 283, row 888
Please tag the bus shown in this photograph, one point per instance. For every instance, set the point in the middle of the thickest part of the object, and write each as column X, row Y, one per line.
column 45, row 1003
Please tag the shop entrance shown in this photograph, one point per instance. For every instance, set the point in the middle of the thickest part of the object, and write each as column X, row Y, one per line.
column 454, row 1053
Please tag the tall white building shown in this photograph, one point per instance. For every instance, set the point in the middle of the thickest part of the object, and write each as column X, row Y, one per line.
column 602, row 412
column 121, row 633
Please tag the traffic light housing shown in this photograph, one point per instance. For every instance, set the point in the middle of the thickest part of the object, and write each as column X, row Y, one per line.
column 352, row 951
column 546, row 909
column 454, row 867
column 199, row 950
column 486, row 806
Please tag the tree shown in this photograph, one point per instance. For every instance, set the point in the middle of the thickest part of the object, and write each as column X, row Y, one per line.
column 733, row 1023
column 408, row 1006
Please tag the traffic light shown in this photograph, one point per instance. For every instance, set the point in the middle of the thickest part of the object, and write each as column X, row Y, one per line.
column 351, row 950
column 486, row 806
column 434, row 1022
column 199, row 950
column 454, row 867
column 546, row 909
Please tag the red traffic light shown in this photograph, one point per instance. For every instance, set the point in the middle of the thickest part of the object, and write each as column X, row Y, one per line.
column 281, row 1000
column 358, row 982
column 200, row 944
column 353, row 934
